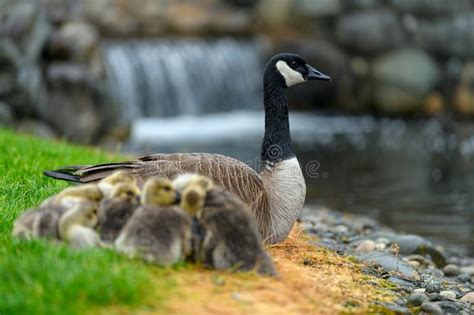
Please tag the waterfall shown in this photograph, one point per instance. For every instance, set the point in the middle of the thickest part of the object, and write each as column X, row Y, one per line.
column 162, row 78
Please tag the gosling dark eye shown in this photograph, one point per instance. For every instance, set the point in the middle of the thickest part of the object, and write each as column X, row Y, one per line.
column 167, row 189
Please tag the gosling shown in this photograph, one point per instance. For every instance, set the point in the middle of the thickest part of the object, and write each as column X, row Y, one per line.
column 107, row 184
column 76, row 226
column 115, row 210
column 71, row 195
column 157, row 232
column 230, row 238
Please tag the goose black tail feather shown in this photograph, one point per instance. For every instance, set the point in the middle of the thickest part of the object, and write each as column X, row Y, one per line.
column 87, row 173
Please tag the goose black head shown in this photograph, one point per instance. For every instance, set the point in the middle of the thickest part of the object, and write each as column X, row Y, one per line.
column 291, row 69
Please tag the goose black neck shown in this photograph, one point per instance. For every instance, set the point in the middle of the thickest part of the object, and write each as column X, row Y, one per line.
column 276, row 144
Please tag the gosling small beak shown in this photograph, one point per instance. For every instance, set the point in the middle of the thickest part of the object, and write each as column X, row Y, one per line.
column 314, row 74
column 177, row 197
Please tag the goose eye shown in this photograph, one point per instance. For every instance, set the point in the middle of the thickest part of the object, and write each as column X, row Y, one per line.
column 293, row 64
column 167, row 189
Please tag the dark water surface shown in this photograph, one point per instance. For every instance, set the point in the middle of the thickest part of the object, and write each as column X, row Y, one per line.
column 415, row 176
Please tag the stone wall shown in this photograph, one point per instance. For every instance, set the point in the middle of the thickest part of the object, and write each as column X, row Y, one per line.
column 390, row 57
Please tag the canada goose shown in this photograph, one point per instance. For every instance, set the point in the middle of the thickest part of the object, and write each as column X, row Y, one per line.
column 23, row 226
column 71, row 195
column 115, row 210
column 228, row 233
column 157, row 232
column 275, row 195
column 76, row 226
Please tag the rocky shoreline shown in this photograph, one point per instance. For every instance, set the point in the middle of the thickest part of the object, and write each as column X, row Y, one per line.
column 427, row 278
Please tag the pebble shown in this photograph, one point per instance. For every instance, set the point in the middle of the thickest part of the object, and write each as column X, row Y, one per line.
column 341, row 229
column 380, row 246
column 468, row 298
column 414, row 263
column 431, row 308
column 448, row 294
column 416, row 299
column 451, row 270
column 463, row 277
column 366, row 246
column 419, row 290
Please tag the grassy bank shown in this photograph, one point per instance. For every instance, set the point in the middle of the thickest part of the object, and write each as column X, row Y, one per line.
column 41, row 278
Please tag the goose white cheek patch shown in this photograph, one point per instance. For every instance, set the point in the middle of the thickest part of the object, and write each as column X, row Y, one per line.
column 291, row 76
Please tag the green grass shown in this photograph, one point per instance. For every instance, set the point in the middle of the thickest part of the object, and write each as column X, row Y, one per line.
column 41, row 278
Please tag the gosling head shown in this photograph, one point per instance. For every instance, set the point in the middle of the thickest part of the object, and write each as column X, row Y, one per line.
column 184, row 180
column 125, row 191
column 290, row 69
column 85, row 213
column 107, row 184
column 88, row 192
column 193, row 199
column 159, row 191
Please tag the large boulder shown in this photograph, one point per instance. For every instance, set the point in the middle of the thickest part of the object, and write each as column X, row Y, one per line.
column 449, row 37
column 402, row 80
column 370, row 31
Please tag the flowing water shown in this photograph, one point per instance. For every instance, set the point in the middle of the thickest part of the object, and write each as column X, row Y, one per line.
column 416, row 176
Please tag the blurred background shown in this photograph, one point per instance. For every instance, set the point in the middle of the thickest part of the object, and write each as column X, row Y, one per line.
column 392, row 136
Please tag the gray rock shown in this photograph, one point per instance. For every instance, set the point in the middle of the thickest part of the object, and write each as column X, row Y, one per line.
column 403, row 78
column 431, row 308
column 450, row 307
column 6, row 115
column 448, row 294
column 449, row 37
column 74, row 41
column 451, row 270
column 370, row 31
column 389, row 262
column 463, row 277
column 431, row 7
column 416, row 299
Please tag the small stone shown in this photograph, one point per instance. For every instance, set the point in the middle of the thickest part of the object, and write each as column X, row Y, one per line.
column 380, row 246
column 431, row 308
column 463, row 277
column 416, row 299
column 451, row 270
column 341, row 229
column 448, row 294
column 419, row 290
column 414, row 263
column 366, row 246
column 468, row 298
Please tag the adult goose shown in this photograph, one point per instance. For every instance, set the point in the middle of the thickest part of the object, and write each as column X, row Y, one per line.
column 275, row 195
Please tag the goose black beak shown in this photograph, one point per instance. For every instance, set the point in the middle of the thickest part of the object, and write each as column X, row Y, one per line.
column 314, row 74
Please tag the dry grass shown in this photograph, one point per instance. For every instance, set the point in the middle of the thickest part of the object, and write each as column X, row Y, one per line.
column 312, row 281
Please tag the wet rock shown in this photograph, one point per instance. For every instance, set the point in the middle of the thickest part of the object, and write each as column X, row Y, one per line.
column 389, row 262
column 448, row 294
column 451, row 307
column 6, row 115
column 370, row 31
column 403, row 79
column 431, row 308
column 451, row 270
column 37, row 128
column 435, row 36
column 468, row 298
column 366, row 247
column 416, row 299
column 74, row 41
column 463, row 277
column 406, row 284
